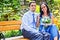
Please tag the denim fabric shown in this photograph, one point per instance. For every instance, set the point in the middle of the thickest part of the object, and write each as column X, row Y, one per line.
column 52, row 30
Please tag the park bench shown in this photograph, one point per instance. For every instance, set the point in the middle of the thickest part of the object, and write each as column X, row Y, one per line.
column 11, row 25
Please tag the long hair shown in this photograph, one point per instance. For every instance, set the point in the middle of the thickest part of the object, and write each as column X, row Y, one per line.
column 41, row 12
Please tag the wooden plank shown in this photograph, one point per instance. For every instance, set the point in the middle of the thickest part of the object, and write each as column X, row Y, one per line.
column 16, row 38
column 10, row 22
column 9, row 27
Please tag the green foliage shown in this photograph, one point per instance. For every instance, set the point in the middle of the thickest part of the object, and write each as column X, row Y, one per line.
column 12, row 33
column 9, row 10
column 37, row 8
column 16, row 5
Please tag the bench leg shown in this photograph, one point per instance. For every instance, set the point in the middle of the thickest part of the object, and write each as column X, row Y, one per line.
column 2, row 36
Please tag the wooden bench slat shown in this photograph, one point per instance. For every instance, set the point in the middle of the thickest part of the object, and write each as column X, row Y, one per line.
column 10, row 22
column 21, row 39
column 16, row 38
column 13, row 25
column 9, row 27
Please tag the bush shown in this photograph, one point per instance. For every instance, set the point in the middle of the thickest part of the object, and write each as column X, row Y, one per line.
column 12, row 33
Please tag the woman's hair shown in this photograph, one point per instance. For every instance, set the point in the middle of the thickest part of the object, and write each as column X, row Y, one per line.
column 41, row 12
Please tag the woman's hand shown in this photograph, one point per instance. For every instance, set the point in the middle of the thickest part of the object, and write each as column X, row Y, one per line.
column 56, row 38
column 38, row 21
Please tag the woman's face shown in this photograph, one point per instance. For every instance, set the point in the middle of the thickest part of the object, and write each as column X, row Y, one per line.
column 44, row 8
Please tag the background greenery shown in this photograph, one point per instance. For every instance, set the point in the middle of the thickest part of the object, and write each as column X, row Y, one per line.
column 14, row 10
column 12, row 33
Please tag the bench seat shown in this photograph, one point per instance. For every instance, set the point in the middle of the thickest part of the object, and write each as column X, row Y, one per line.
column 11, row 25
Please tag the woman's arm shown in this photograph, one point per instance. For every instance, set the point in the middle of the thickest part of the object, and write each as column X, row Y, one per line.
column 52, row 17
column 38, row 21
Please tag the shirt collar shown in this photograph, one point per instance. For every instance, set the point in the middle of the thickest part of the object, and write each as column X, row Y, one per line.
column 31, row 12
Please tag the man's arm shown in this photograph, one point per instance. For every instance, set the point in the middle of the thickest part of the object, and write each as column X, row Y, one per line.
column 25, row 25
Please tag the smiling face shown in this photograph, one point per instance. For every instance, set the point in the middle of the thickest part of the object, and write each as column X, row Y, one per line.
column 44, row 8
column 32, row 7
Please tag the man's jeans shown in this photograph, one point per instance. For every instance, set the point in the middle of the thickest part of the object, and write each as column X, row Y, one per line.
column 35, row 36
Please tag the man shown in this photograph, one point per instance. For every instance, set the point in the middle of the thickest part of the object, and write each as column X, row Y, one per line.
column 29, row 24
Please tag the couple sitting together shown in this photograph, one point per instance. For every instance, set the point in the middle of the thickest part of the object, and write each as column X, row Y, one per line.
column 41, row 26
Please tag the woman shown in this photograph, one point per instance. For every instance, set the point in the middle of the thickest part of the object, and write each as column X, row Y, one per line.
column 51, row 29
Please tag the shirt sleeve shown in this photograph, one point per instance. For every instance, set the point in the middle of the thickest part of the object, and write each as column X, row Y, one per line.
column 25, row 23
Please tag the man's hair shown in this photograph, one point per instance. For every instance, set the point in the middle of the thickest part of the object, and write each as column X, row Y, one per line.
column 31, row 2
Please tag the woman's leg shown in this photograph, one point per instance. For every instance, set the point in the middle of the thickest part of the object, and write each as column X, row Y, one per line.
column 54, row 32
column 46, row 35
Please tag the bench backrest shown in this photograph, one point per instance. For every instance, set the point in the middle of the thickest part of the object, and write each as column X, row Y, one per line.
column 13, row 25
column 9, row 25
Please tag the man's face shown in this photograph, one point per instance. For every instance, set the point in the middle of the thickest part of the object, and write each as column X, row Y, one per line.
column 33, row 7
